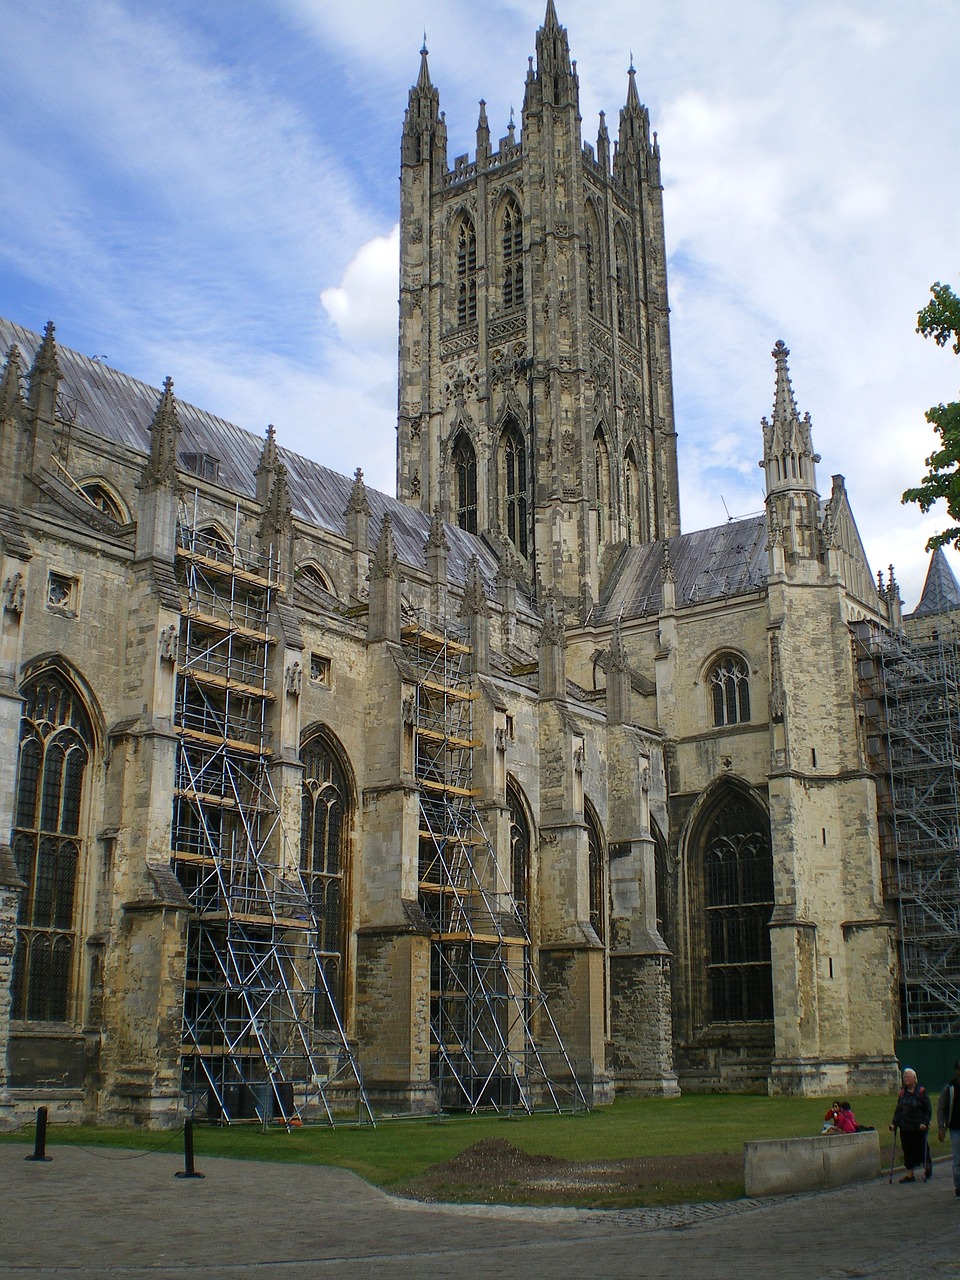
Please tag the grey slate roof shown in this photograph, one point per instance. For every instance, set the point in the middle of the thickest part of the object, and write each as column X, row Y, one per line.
column 119, row 408
column 728, row 560
column 941, row 592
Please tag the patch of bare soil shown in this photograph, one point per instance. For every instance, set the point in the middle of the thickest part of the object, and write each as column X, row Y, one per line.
column 496, row 1172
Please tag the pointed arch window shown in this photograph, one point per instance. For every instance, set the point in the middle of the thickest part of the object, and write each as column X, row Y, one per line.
column 513, row 453
column 511, row 250
column 56, row 743
column 596, row 873
column 631, row 495
column 624, row 284
column 324, row 835
column 464, row 461
column 594, row 265
column 466, row 249
column 519, row 853
column 738, row 901
column 601, row 464
column 730, row 691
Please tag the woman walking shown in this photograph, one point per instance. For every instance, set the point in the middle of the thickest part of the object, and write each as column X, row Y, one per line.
column 912, row 1118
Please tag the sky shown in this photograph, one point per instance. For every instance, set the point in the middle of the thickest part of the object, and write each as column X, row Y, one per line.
column 210, row 191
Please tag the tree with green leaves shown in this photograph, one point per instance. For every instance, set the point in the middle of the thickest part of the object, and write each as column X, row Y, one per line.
column 940, row 320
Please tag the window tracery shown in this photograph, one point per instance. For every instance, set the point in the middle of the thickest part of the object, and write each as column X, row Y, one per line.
column 324, row 835
column 730, row 691
column 511, row 248
column 466, row 249
column 464, row 460
column 56, row 743
column 513, row 455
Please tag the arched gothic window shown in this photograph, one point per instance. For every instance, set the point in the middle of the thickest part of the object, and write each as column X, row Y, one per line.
column 519, row 853
column 624, row 284
column 599, row 910
column 99, row 496
column 601, row 462
column 631, row 495
column 730, row 691
column 599, row 899
column 464, row 461
column 56, row 742
column 324, row 837
column 738, row 901
column 594, row 262
column 513, row 479
column 466, row 249
column 511, row 248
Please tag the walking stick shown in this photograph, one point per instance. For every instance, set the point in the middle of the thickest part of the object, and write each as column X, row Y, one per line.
column 893, row 1152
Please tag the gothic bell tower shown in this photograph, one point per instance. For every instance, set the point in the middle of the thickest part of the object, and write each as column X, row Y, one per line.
column 535, row 393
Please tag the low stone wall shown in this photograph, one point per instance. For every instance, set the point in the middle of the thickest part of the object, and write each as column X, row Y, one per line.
column 810, row 1164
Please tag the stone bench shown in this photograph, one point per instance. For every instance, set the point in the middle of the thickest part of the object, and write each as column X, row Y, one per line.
column 810, row 1164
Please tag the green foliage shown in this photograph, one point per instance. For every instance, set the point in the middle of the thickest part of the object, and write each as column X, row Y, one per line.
column 940, row 320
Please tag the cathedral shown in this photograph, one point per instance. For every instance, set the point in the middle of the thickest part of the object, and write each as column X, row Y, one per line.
column 504, row 792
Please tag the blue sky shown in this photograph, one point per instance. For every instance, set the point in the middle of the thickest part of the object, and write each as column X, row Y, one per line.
column 210, row 191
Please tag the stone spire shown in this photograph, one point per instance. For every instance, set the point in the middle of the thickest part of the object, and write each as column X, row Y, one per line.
column 11, row 385
column 603, row 144
column 276, row 523
column 552, row 658
column 789, row 463
column 435, row 550
column 477, row 615
column 555, row 83
column 618, row 679
column 157, row 504
column 14, row 439
column 483, row 133
column 424, row 131
column 633, row 143
column 358, row 513
column 941, row 592
column 44, row 378
column 383, row 620
column 161, row 468
column 267, row 466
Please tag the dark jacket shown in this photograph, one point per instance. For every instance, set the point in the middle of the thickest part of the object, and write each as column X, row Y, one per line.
column 948, row 1107
column 913, row 1109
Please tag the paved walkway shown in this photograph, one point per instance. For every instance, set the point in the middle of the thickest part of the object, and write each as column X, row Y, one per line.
column 124, row 1216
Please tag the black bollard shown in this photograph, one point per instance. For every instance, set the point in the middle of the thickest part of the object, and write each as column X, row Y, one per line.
column 188, row 1170
column 40, row 1141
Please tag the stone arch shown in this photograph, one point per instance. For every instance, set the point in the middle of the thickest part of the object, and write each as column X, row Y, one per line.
column 521, row 848
column 328, row 809
column 509, row 254
column 101, row 494
column 725, row 680
column 726, row 897
column 61, row 740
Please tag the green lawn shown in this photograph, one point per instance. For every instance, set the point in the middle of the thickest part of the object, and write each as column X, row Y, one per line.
column 399, row 1149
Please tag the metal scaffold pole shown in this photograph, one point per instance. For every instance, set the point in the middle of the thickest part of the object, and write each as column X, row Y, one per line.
column 910, row 695
column 493, row 1041
column 263, row 1038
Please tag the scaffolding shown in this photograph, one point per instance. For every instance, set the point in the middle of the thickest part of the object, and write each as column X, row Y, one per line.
column 493, row 1041
column 262, row 1037
column 910, row 701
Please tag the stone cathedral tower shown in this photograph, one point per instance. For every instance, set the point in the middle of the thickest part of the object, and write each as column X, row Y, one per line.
column 535, row 380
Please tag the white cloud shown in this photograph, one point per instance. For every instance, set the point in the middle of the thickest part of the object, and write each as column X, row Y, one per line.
column 209, row 193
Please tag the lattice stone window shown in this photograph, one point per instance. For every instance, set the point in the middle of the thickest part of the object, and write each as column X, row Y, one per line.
column 730, row 691
column 466, row 248
column 324, row 844
column 56, row 740
column 738, row 896
column 63, row 593
column 465, row 472
column 321, row 670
